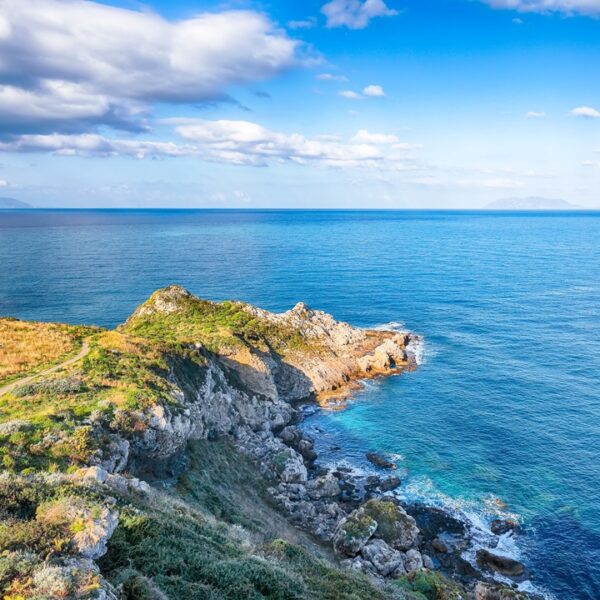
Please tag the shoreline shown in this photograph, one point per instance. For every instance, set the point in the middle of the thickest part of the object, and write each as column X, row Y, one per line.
column 477, row 533
column 231, row 370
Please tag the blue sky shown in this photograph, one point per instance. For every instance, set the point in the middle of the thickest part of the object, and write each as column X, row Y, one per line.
column 320, row 103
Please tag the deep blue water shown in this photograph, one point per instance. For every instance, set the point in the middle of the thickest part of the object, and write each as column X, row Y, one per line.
column 506, row 404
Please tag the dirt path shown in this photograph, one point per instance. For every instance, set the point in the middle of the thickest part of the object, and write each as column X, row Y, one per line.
column 85, row 348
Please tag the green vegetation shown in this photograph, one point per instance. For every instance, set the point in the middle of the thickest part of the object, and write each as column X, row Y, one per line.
column 182, row 551
column 39, row 522
column 218, row 326
column 431, row 585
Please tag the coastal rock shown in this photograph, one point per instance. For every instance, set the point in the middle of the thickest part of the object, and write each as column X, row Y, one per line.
column 326, row 486
column 501, row 564
column 490, row 591
column 501, row 526
column 307, row 449
column 384, row 559
column 354, row 532
column 290, row 467
column 92, row 539
column 380, row 461
column 394, row 525
column 413, row 561
column 291, row 435
column 439, row 546
column 389, row 483
column 427, row 561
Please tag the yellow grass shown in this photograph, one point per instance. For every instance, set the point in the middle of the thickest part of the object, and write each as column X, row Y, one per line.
column 28, row 346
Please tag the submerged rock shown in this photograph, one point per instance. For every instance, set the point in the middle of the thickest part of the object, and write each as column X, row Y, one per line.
column 501, row 526
column 380, row 461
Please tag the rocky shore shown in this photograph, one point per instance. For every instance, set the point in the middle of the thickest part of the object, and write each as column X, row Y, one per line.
column 359, row 516
column 232, row 370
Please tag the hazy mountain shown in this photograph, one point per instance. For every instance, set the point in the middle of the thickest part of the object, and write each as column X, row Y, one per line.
column 531, row 203
column 13, row 203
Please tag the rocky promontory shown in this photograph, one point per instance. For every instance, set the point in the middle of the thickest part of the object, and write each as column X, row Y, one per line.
column 182, row 370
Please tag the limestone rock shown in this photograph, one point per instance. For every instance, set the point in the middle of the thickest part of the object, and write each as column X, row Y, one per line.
column 91, row 541
column 384, row 559
column 395, row 526
column 326, row 486
column 413, row 561
column 490, row 591
column 354, row 532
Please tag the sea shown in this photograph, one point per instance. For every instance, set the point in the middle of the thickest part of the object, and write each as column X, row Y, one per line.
column 502, row 415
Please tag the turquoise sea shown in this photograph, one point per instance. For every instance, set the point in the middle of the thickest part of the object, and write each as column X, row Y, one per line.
column 503, row 414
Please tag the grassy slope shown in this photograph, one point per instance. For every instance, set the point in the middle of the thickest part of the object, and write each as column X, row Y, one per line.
column 28, row 347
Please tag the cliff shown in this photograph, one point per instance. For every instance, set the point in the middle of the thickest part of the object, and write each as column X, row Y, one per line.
column 198, row 399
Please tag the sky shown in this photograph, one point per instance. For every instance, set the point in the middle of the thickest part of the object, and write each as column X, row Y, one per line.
column 299, row 104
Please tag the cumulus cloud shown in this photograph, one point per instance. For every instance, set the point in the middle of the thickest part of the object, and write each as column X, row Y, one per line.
column 80, row 62
column 586, row 112
column 581, row 7
column 230, row 142
column 375, row 91
column 532, row 114
column 247, row 143
column 350, row 95
column 355, row 14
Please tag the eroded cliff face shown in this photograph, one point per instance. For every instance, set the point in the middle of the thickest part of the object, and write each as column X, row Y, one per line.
column 262, row 364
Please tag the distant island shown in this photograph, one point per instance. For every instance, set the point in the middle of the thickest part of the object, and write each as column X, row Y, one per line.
column 531, row 203
column 13, row 203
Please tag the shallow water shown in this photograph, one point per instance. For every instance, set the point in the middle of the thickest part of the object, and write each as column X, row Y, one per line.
column 506, row 403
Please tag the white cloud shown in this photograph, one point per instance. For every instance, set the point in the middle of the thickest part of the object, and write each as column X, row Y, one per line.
column 247, row 143
column 89, row 144
column 3, row 183
column 586, row 111
column 303, row 23
column 355, row 14
column 231, row 142
column 331, row 77
column 77, row 61
column 350, row 95
column 375, row 91
column 582, row 7
column 364, row 137
column 532, row 114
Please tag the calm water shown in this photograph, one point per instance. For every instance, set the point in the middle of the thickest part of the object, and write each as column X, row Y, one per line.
column 506, row 404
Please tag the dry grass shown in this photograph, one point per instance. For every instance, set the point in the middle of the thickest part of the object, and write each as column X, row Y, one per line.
column 26, row 346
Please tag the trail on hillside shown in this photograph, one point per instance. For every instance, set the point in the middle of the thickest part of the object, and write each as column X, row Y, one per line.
column 85, row 348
